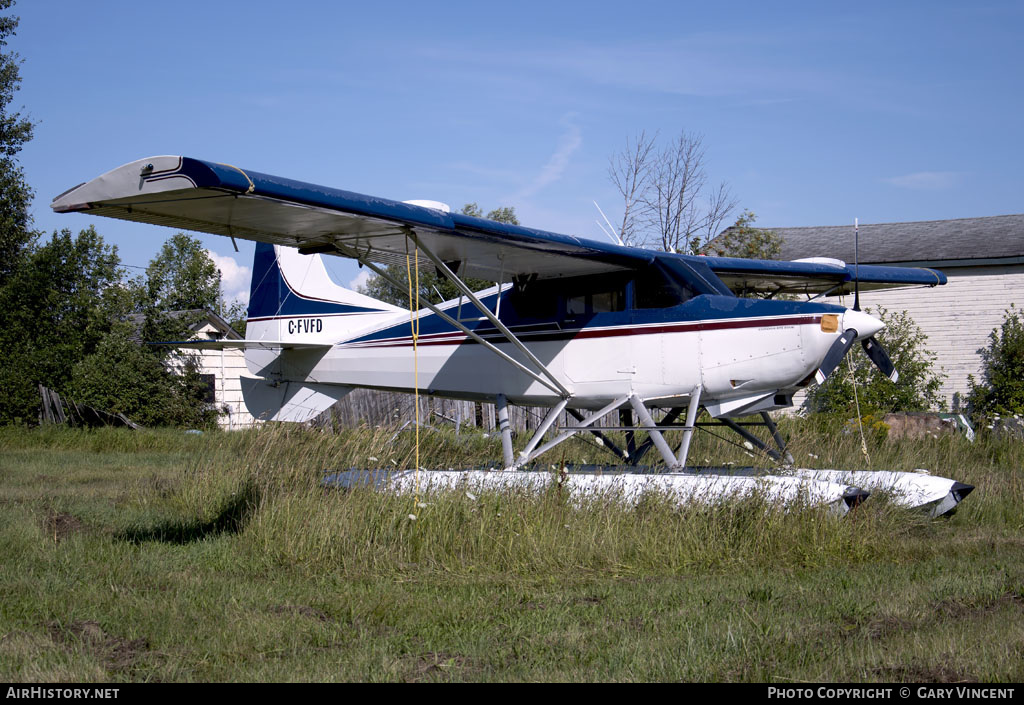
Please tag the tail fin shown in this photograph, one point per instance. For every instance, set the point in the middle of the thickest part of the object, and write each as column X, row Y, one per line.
column 292, row 298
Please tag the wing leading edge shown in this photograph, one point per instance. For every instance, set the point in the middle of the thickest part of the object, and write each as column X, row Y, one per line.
column 215, row 198
column 192, row 194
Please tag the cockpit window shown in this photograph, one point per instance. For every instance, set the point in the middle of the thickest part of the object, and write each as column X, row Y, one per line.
column 653, row 289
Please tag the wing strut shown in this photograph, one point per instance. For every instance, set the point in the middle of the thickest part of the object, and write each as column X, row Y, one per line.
column 509, row 335
column 362, row 259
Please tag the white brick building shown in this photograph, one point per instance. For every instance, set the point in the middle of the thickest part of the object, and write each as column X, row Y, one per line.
column 983, row 259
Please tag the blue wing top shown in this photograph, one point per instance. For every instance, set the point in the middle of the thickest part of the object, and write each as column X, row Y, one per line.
column 192, row 194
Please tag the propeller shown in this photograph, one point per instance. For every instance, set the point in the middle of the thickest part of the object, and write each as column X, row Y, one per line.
column 835, row 354
column 872, row 347
column 880, row 357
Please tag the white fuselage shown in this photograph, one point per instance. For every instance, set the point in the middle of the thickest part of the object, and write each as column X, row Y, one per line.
column 729, row 358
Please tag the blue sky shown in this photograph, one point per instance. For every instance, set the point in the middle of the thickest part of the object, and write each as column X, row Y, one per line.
column 814, row 113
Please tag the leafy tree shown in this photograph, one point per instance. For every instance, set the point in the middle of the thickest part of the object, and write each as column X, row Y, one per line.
column 742, row 239
column 122, row 376
column 67, row 308
column 1001, row 390
column 182, row 276
column 57, row 306
column 15, row 131
column 434, row 287
column 916, row 390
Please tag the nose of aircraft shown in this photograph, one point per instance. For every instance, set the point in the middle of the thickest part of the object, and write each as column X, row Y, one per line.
column 865, row 325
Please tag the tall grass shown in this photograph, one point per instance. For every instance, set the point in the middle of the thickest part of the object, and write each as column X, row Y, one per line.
column 161, row 555
column 294, row 518
column 266, row 485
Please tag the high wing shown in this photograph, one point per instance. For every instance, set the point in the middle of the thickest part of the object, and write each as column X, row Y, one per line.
column 216, row 198
column 818, row 276
column 208, row 197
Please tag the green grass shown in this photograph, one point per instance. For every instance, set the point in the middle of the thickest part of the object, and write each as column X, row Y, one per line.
column 160, row 556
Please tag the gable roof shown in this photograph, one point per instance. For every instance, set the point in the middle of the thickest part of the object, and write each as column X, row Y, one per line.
column 990, row 240
column 197, row 318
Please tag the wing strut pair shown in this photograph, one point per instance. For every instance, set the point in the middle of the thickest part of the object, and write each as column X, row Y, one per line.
column 542, row 375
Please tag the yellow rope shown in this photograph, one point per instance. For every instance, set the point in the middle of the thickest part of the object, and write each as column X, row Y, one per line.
column 414, row 326
column 252, row 186
column 860, row 423
column 856, row 401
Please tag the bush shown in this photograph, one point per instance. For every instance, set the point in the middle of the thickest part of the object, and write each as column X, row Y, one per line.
column 916, row 390
column 1001, row 390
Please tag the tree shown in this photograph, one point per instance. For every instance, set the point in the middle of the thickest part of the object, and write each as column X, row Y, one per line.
column 433, row 287
column 916, row 390
column 66, row 302
column 58, row 305
column 182, row 276
column 1001, row 390
column 667, row 202
column 744, row 240
column 122, row 376
column 68, row 309
column 15, row 131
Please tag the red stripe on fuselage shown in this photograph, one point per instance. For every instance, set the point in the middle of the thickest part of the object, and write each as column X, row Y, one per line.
column 585, row 333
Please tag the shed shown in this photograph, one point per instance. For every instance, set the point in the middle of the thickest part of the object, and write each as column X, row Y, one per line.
column 983, row 259
column 220, row 368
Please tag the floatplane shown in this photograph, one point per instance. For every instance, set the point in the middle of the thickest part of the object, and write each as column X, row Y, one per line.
column 581, row 327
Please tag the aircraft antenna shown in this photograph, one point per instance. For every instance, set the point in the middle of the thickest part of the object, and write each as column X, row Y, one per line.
column 856, row 265
column 613, row 235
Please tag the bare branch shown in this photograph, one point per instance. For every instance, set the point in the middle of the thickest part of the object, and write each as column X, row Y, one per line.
column 665, row 193
column 720, row 205
column 630, row 171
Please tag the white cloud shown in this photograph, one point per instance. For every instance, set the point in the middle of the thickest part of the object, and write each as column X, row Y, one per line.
column 925, row 180
column 360, row 281
column 551, row 172
column 234, row 278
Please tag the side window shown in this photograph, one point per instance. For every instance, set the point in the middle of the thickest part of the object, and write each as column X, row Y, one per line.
column 609, row 301
column 599, row 294
column 576, row 305
column 534, row 300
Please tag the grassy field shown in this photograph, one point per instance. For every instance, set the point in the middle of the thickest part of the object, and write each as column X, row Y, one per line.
column 161, row 556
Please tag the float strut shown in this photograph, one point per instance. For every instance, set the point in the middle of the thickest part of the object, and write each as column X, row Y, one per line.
column 501, row 404
column 691, row 418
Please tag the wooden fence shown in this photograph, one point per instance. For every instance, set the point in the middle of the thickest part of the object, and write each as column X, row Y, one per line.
column 54, row 409
column 375, row 408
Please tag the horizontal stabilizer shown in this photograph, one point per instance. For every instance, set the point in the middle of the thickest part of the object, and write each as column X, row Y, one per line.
column 289, row 401
column 243, row 344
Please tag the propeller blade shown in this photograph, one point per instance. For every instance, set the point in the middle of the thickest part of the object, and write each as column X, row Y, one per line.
column 835, row 354
column 880, row 357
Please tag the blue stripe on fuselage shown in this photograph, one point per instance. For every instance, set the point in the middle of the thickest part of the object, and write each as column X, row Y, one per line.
column 697, row 309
